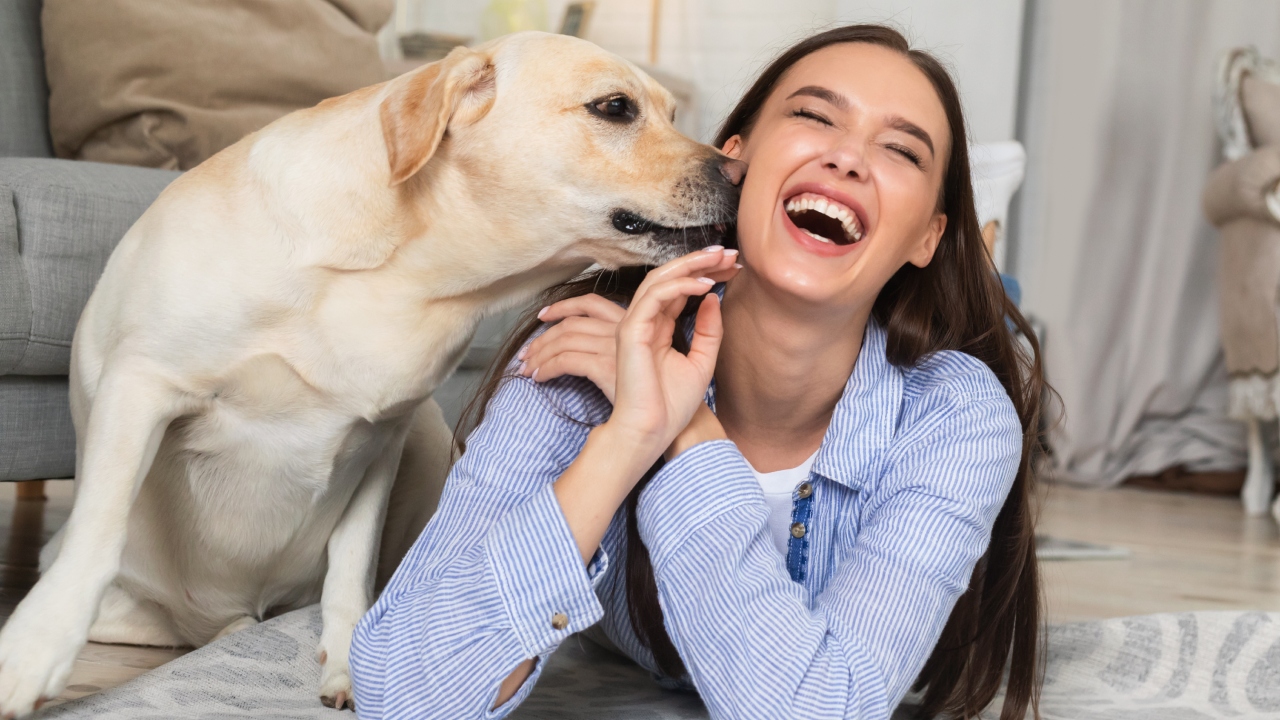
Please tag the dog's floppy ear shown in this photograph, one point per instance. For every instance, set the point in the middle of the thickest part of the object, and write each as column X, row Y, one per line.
column 421, row 105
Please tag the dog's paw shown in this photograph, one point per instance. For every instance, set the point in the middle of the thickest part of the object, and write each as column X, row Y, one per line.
column 335, row 688
column 36, row 657
column 333, row 652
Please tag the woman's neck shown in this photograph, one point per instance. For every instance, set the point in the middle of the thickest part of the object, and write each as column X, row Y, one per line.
column 782, row 368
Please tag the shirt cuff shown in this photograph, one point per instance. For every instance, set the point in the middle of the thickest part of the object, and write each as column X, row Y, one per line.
column 540, row 576
column 696, row 487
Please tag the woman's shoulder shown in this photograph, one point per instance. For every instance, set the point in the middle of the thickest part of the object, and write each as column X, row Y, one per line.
column 950, row 387
column 952, row 375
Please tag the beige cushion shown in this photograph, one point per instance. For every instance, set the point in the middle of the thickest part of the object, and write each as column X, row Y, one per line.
column 1261, row 103
column 168, row 83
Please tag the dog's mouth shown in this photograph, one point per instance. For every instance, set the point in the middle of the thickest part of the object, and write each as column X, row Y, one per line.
column 694, row 236
column 824, row 219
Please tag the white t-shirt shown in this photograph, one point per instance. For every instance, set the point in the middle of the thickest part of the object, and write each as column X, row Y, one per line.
column 779, row 487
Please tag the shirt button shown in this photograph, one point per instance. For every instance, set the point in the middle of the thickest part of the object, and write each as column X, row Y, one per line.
column 559, row 621
column 797, row 530
column 804, row 491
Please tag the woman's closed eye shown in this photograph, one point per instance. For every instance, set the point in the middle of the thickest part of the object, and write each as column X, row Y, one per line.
column 811, row 115
column 909, row 154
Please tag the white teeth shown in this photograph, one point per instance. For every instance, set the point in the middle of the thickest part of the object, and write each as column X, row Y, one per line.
column 819, row 238
column 831, row 209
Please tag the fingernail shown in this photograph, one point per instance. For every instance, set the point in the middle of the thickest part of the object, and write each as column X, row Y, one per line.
column 523, row 365
column 534, row 376
column 712, row 248
column 730, row 252
column 706, row 280
column 738, row 265
column 543, row 311
column 520, row 355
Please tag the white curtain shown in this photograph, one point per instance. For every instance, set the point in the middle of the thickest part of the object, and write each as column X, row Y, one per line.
column 1110, row 244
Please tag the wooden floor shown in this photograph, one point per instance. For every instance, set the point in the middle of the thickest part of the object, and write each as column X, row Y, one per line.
column 24, row 528
column 1189, row 552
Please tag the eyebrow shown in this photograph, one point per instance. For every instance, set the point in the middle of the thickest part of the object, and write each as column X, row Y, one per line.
column 901, row 124
column 897, row 122
column 822, row 93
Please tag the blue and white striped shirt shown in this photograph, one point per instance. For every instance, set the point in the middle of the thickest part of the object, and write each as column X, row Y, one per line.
column 905, row 488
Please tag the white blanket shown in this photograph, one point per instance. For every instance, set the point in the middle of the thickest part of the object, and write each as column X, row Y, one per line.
column 1157, row 667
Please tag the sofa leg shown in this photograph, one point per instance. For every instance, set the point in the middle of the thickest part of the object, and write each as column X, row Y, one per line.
column 26, row 535
column 31, row 490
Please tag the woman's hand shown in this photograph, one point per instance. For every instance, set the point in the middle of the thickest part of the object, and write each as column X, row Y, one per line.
column 658, row 388
column 583, row 341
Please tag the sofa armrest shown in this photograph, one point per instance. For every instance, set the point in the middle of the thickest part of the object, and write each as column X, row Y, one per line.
column 59, row 222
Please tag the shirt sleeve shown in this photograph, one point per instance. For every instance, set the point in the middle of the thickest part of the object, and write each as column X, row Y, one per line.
column 495, row 578
column 751, row 642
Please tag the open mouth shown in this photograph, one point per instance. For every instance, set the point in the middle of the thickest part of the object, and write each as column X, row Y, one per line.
column 824, row 219
column 693, row 236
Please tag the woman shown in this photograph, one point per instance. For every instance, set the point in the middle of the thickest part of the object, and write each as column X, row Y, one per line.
column 848, row 517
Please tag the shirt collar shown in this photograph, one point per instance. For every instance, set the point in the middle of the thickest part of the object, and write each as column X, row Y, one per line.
column 866, row 416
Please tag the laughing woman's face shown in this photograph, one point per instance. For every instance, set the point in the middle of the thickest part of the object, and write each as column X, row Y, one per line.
column 846, row 161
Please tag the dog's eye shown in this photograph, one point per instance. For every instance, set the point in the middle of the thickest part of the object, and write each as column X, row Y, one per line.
column 615, row 108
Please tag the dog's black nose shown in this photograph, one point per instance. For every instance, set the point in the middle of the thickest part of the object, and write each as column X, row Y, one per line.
column 733, row 170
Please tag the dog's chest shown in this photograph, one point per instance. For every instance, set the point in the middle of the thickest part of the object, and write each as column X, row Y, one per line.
column 273, row 454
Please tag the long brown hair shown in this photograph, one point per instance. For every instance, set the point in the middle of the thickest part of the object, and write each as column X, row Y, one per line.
column 956, row 302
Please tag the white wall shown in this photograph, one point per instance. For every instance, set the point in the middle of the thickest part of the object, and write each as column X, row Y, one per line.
column 722, row 44
column 980, row 39
column 719, row 44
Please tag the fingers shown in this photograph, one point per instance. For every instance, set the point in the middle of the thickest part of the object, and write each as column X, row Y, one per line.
column 710, row 260
column 539, row 353
column 591, row 305
column 576, row 325
column 708, row 331
column 725, row 275
column 599, row 369
column 663, row 300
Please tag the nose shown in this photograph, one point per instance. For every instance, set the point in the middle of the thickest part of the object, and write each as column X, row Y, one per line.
column 846, row 159
column 733, row 170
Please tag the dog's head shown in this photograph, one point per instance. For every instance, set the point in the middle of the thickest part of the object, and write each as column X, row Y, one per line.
column 569, row 151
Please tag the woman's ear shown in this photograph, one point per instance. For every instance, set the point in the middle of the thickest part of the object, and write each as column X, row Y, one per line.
column 923, row 252
column 733, row 147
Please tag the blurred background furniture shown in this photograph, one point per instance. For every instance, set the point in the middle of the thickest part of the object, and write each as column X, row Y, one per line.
column 59, row 220
column 1110, row 242
column 997, row 170
column 167, row 85
column 1242, row 200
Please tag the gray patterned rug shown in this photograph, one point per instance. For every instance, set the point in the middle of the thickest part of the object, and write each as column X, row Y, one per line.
column 1158, row 667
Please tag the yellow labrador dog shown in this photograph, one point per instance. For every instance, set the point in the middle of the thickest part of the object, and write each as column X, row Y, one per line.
column 251, row 379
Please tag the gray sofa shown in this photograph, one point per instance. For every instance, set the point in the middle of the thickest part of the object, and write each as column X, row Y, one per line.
column 59, row 221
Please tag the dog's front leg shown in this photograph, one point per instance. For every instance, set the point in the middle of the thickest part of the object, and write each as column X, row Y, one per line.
column 348, row 583
column 39, row 643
